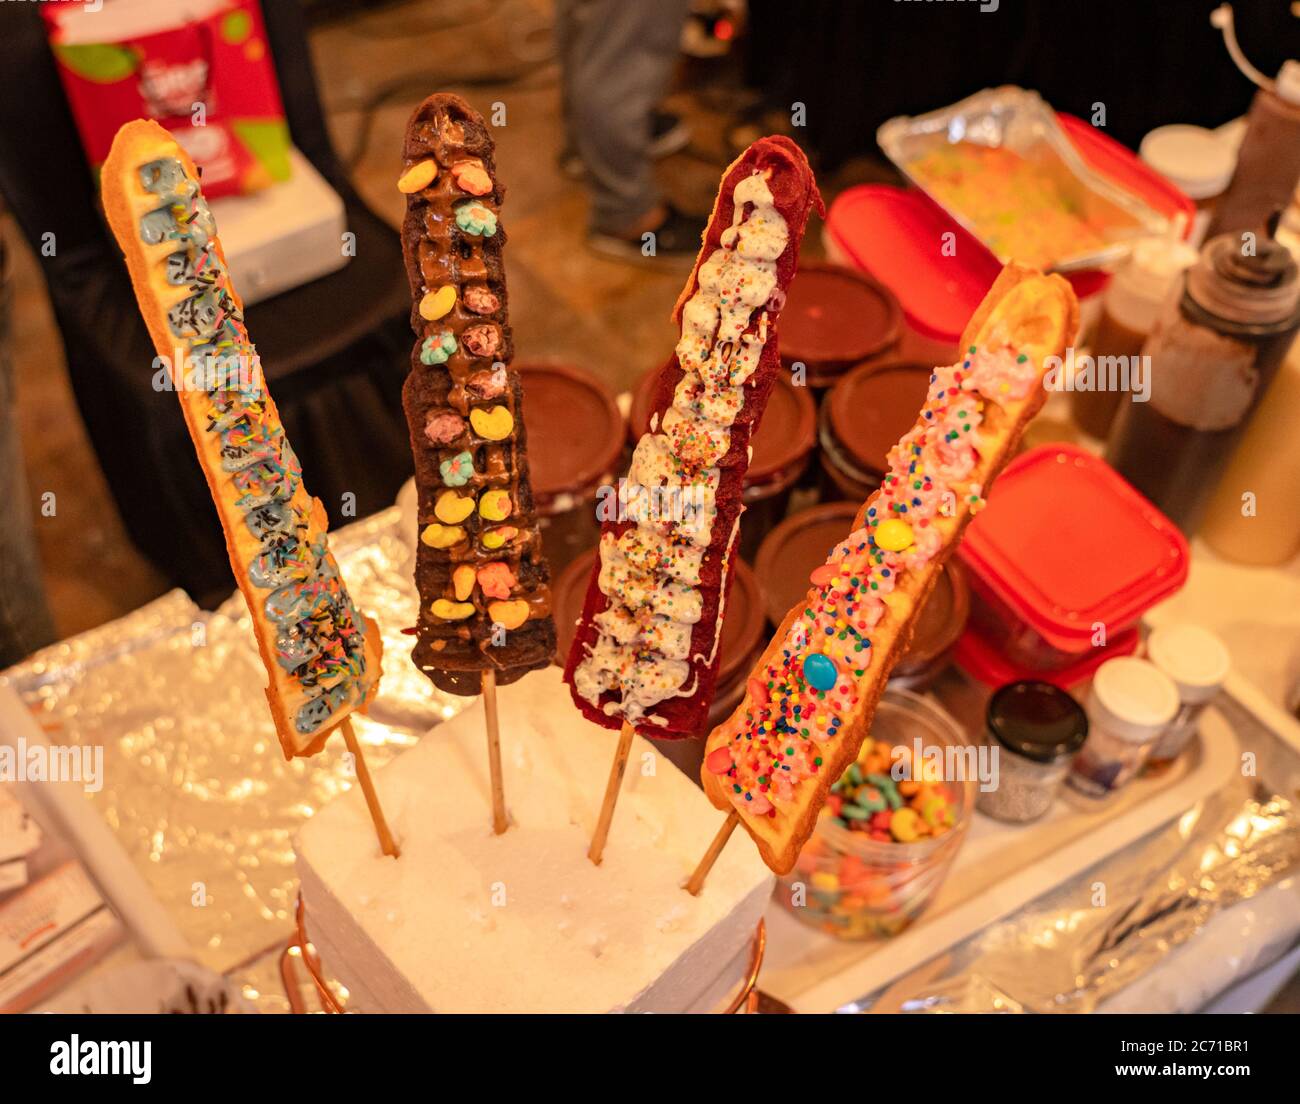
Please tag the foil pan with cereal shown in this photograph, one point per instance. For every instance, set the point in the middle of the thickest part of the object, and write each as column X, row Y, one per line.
column 1001, row 165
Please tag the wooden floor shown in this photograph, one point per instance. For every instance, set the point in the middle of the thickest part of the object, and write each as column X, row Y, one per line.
column 607, row 316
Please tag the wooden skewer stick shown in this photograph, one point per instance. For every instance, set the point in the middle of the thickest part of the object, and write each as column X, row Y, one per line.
column 597, row 850
column 499, row 821
column 386, row 842
column 696, row 883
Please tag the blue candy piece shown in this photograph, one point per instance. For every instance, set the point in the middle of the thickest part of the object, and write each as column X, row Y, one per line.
column 820, row 671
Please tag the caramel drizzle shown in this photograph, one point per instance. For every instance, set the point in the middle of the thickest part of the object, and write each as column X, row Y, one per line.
column 446, row 256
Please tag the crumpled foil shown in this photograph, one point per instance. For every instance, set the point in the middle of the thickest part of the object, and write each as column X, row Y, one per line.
column 196, row 787
column 1082, row 946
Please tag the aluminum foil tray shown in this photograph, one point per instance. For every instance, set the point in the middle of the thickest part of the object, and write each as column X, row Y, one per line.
column 1057, row 187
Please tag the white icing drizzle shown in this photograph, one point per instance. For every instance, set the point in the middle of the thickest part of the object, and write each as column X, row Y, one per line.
column 651, row 574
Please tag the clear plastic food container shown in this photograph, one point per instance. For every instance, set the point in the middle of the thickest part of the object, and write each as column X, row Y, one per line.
column 856, row 885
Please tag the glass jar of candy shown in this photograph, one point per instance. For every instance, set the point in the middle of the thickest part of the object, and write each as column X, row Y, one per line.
column 891, row 826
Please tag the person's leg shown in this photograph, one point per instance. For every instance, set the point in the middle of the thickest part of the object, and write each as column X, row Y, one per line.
column 617, row 56
column 25, row 623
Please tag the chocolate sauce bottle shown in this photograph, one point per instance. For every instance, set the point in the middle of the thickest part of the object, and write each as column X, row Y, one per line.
column 1212, row 356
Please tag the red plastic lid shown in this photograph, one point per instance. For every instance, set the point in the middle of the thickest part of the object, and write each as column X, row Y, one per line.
column 1122, row 166
column 896, row 235
column 785, row 436
column 986, row 664
column 1065, row 542
column 742, row 621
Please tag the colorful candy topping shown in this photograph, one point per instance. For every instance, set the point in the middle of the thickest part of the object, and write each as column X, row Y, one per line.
column 893, row 535
column 509, row 615
column 453, row 508
column 820, row 671
column 805, row 695
column 496, row 423
column 495, row 505
column 442, row 536
column 451, row 611
column 463, row 579
column 498, row 537
column 320, row 638
column 481, row 299
column 862, row 883
column 476, row 218
column 443, row 427
column 472, row 177
column 438, row 348
column 437, row 304
column 418, row 177
column 496, row 580
column 457, row 470
column 651, row 572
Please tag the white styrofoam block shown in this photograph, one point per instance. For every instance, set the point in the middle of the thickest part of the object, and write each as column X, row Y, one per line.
column 467, row 921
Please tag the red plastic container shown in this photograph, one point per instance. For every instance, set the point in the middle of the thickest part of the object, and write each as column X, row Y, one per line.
column 984, row 664
column 1064, row 546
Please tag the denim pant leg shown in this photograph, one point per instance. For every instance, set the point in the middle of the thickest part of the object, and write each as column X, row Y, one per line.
column 616, row 57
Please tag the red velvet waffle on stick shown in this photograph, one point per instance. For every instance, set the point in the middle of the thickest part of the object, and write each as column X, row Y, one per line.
column 646, row 650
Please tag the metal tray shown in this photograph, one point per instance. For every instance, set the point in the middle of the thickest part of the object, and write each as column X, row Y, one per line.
column 1021, row 121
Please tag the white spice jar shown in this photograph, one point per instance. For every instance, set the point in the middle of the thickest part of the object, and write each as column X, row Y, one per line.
column 1198, row 662
column 1130, row 704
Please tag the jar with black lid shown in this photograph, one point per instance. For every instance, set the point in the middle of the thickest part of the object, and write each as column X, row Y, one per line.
column 1035, row 730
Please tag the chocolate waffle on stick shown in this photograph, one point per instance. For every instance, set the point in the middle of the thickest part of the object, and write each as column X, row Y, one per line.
column 484, row 599
column 646, row 649
column 321, row 654
column 809, row 702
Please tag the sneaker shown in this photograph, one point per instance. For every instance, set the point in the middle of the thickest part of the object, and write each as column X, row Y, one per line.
column 679, row 235
column 571, row 164
column 668, row 134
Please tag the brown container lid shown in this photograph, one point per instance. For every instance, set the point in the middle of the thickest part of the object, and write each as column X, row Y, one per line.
column 873, row 405
column 941, row 621
column 801, row 543
column 786, row 435
column 789, row 553
column 575, row 431
column 742, row 621
column 835, row 317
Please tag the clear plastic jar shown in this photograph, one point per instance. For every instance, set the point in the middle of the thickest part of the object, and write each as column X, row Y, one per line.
column 1036, row 729
column 856, row 887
